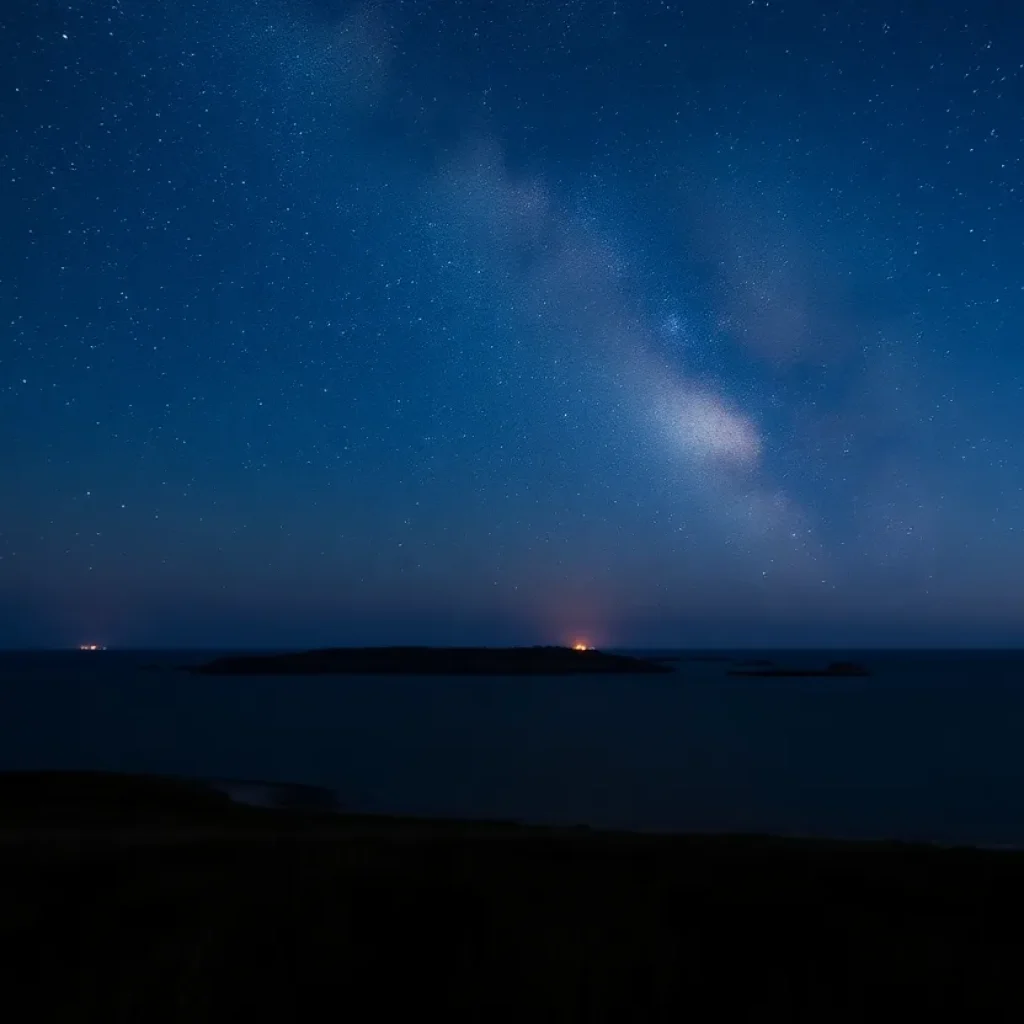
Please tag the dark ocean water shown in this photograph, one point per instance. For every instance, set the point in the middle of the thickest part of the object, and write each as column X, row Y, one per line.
column 930, row 746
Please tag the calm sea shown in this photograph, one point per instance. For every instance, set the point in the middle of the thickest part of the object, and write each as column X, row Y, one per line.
column 930, row 746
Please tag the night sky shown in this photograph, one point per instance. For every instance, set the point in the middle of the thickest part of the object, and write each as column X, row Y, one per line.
column 645, row 323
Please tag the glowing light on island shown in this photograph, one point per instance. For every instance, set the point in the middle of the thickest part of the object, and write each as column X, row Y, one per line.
column 581, row 646
column 91, row 647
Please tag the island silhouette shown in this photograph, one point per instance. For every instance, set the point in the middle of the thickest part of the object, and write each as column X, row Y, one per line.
column 441, row 661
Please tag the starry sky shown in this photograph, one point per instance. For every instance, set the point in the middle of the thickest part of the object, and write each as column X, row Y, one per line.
column 500, row 321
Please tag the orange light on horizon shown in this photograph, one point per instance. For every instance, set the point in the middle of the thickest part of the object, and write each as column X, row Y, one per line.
column 580, row 646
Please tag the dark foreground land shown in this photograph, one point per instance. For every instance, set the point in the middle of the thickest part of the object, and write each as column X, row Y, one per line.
column 153, row 900
column 442, row 661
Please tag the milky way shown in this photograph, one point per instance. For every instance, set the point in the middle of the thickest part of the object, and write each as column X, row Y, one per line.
column 333, row 321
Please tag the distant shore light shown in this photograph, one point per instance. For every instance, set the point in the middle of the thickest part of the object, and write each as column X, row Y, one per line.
column 581, row 646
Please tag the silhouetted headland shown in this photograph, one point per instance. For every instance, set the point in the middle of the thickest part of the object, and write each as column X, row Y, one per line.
column 432, row 661
column 95, row 799
column 155, row 899
column 841, row 669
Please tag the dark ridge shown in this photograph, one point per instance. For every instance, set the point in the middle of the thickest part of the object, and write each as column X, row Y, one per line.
column 112, row 799
column 442, row 661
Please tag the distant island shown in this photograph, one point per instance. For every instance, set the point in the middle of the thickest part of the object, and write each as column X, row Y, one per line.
column 433, row 661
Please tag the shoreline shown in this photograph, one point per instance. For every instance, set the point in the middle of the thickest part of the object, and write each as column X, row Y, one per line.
column 98, row 806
